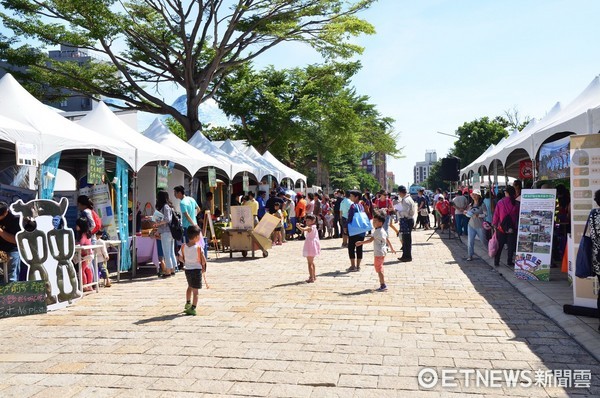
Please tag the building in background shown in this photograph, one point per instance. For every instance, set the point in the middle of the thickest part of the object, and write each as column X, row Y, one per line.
column 390, row 181
column 422, row 169
column 376, row 163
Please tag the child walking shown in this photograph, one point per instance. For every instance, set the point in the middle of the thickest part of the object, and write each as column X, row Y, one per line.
column 380, row 244
column 192, row 257
column 312, row 245
column 102, row 258
column 83, row 230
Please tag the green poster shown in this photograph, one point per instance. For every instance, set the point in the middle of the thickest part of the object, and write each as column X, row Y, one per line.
column 245, row 183
column 162, row 177
column 212, row 177
column 95, row 169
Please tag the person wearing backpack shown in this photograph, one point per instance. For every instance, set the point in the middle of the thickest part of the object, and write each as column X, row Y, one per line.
column 163, row 205
column 505, row 221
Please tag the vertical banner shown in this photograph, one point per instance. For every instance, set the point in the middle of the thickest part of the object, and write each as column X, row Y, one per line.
column 525, row 170
column 245, row 183
column 95, row 169
column 162, row 177
column 212, row 177
column 534, row 238
column 99, row 194
column 585, row 180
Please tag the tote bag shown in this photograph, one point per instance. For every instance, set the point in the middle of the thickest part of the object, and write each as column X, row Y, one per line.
column 493, row 245
column 583, row 263
column 360, row 223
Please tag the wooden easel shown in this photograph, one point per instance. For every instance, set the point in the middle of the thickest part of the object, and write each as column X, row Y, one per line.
column 213, row 236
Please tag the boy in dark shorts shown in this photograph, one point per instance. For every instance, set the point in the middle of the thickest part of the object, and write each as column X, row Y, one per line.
column 194, row 262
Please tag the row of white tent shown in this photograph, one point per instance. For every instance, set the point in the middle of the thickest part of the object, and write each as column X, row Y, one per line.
column 24, row 119
column 581, row 116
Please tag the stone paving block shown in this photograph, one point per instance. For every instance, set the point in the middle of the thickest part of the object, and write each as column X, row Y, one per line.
column 250, row 389
column 358, row 381
column 290, row 391
column 60, row 391
column 21, row 391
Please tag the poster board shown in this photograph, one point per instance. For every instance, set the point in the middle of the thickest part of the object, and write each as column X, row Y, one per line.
column 534, row 234
column 23, row 298
column 585, row 180
column 208, row 217
column 99, row 194
column 95, row 169
column 241, row 217
column 266, row 225
column 27, row 154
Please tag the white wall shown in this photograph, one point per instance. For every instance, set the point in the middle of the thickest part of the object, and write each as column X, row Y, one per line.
column 147, row 185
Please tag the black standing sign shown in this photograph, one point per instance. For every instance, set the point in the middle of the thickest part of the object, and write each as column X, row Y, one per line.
column 23, row 298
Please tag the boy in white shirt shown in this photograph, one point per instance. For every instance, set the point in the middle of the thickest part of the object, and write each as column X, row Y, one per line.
column 192, row 257
column 380, row 245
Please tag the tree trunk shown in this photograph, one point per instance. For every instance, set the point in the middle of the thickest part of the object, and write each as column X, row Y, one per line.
column 193, row 120
column 318, row 174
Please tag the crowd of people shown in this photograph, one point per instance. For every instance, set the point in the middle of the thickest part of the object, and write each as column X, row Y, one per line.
column 318, row 216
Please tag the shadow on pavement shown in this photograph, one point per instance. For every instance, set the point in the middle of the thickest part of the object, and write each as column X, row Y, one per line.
column 335, row 273
column 160, row 318
column 551, row 344
column 359, row 293
column 289, row 284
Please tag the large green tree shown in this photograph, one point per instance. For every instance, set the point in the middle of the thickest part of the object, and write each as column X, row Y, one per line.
column 475, row 137
column 189, row 44
column 308, row 117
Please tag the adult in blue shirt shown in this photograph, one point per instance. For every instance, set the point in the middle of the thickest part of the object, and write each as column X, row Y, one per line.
column 261, row 204
column 189, row 209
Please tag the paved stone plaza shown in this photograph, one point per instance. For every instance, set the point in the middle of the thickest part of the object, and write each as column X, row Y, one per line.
column 261, row 331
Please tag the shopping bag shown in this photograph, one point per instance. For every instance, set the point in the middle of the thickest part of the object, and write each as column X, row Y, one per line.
column 360, row 224
column 583, row 263
column 493, row 245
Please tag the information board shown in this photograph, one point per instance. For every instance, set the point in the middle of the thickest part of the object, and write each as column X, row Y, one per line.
column 585, row 180
column 534, row 239
column 23, row 298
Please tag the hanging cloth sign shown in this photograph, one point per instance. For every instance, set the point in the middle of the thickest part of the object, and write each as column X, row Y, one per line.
column 26, row 154
column 212, row 177
column 245, row 183
column 95, row 169
column 525, row 169
column 162, row 177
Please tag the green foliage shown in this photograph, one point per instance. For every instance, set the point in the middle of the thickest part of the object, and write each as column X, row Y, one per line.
column 475, row 137
column 309, row 118
column 192, row 44
column 434, row 180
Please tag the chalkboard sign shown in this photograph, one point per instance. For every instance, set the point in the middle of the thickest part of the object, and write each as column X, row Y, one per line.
column 23, row 298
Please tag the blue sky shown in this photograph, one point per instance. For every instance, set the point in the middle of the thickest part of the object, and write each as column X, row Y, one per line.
column 435, row 64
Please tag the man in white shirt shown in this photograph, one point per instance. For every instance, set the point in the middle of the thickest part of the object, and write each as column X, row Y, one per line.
column 460, row 203
column 406, row 212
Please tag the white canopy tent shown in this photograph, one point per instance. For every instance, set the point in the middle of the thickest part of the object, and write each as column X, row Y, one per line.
column 294, row 175
column 104, row 121
column 238, row 156
column 200, row 142
column 57, row 133
column 160, row 133
column 253, row 153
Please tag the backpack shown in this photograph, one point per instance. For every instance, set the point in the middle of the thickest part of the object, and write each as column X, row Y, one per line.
column 176, row 227
column 97, row 221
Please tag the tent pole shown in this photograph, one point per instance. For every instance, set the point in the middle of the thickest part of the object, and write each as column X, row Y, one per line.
column 134, row 190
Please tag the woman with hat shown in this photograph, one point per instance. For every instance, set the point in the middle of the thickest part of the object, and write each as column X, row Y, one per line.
column 476, row 213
